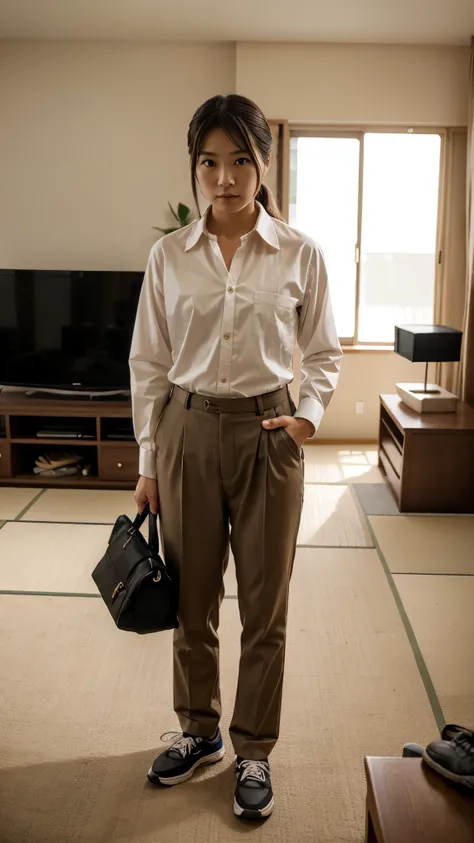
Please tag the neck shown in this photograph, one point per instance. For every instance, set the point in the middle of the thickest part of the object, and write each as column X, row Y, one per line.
column 232, row 225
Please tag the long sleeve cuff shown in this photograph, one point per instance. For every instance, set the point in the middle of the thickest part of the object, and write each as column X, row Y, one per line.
column 312, row 410
column 147, row 463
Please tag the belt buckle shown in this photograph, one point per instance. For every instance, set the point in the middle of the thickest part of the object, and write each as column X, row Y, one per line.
column 210, row 407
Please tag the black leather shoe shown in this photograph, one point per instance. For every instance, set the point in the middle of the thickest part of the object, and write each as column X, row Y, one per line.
column 453, row 759
column 253, row 794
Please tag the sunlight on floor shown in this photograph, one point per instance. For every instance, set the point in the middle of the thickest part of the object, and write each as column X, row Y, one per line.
column 336, row 464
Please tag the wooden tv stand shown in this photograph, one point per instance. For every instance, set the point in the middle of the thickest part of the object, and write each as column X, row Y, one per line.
column 114, row 461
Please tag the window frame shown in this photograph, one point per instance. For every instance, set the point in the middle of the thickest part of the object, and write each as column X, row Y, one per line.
column 358, row 132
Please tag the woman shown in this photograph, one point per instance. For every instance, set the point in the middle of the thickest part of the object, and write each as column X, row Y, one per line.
column 223, row 302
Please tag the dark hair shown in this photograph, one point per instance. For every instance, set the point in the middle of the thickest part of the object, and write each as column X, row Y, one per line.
column 245, row 124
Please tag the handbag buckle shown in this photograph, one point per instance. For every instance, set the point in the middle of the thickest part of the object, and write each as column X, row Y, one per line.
column 158, row 577
column 118, row 588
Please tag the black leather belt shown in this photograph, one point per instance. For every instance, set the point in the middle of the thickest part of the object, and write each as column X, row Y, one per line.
column 257, row 404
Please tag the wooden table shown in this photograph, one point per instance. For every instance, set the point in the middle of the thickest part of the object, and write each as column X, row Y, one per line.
column 428, row 458
column 407, row 802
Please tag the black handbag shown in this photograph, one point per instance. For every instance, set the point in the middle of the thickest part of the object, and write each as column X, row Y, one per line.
column 139, row 590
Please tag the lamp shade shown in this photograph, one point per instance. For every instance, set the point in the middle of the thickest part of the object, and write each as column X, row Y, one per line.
column 428, row 343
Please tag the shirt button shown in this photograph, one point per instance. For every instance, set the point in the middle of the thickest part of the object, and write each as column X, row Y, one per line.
column 230, row 290
column 227, row 336
column 224, row 380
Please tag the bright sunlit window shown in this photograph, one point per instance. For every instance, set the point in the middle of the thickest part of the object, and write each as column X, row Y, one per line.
column 371, row 201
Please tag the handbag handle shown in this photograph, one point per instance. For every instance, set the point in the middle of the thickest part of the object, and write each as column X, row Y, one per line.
column 153, row 540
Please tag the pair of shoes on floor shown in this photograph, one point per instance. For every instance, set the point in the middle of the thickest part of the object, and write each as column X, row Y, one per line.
column 452, row 756
column 253, row 797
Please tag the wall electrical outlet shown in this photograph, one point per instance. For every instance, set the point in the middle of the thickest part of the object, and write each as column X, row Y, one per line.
column 359, row 407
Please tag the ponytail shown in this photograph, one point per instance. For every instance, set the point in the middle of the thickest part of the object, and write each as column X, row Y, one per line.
column 267, row 199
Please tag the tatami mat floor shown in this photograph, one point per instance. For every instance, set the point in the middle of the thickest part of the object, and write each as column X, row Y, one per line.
column 417, row 544
column 440, row 609
column 342, row 464
column 13, row 501
column 83, row 706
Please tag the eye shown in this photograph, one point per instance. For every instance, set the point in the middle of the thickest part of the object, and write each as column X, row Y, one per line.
column 208, row 163
column 242, row 161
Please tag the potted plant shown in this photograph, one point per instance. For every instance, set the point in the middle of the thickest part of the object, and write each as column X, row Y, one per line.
column 182, row 215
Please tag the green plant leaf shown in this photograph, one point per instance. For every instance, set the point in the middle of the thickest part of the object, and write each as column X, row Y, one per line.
column 183, row 213
column 174, row 213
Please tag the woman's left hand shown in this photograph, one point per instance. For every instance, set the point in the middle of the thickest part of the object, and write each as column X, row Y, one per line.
column 299, row 429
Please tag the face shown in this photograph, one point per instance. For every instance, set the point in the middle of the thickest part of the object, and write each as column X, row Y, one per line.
column 226, row 174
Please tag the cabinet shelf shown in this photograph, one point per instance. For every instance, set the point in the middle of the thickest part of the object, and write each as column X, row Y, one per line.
column 74, row 481
column 117, row 443
column 41, row 440
column 114, row 461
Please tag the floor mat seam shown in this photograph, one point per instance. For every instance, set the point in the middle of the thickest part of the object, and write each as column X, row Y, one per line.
column 425, row 675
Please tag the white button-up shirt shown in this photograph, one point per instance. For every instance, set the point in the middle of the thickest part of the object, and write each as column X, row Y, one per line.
column 231, row 333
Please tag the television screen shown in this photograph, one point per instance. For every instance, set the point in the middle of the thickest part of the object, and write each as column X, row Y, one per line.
column 67, row 329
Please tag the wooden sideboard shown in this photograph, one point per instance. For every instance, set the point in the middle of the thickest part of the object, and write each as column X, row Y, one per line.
column 428, row 458
column 112, row 454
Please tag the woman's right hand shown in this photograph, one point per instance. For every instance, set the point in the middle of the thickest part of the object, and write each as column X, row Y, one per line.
column 146, row 491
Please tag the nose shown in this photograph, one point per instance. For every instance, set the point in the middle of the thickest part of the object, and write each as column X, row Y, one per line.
column 225, row 178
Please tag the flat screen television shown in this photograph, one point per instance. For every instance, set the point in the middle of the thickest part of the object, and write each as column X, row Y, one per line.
column 67, row 330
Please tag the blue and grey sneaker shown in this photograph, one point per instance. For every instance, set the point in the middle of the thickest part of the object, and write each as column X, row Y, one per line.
column 253, row 798
column 179, row 763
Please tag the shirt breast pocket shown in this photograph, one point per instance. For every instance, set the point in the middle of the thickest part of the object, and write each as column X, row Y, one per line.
column 263, row 299
column 276, row 322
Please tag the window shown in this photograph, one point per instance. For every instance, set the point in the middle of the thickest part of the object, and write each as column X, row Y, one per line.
column 370, row 199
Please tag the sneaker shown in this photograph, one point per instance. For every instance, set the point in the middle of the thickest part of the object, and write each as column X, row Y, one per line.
column 451, row 730
column 253, row 795
column 412, row 750
column 453, row 759
column 415, row 750
column 179, row 763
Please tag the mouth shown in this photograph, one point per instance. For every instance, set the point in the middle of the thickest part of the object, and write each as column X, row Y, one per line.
column 228, row 196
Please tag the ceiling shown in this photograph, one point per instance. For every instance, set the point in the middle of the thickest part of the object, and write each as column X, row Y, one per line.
column 364, row 21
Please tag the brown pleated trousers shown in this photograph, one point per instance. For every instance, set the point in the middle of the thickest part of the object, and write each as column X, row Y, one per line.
column 219, row 468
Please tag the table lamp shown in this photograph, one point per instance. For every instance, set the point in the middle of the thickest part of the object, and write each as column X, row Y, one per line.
column 427, row 344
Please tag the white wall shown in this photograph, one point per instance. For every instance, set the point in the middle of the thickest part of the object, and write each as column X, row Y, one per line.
column 93, row 144
column 334, row 83
column 363, row 377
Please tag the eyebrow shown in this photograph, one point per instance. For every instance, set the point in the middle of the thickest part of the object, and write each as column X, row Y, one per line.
column 235, row 152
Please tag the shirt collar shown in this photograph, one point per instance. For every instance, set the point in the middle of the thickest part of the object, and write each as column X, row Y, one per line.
column 264, row 226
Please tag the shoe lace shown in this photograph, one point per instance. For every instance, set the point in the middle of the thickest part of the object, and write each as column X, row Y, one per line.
column 183, row 744
column 466, row 741
column 255, row 770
